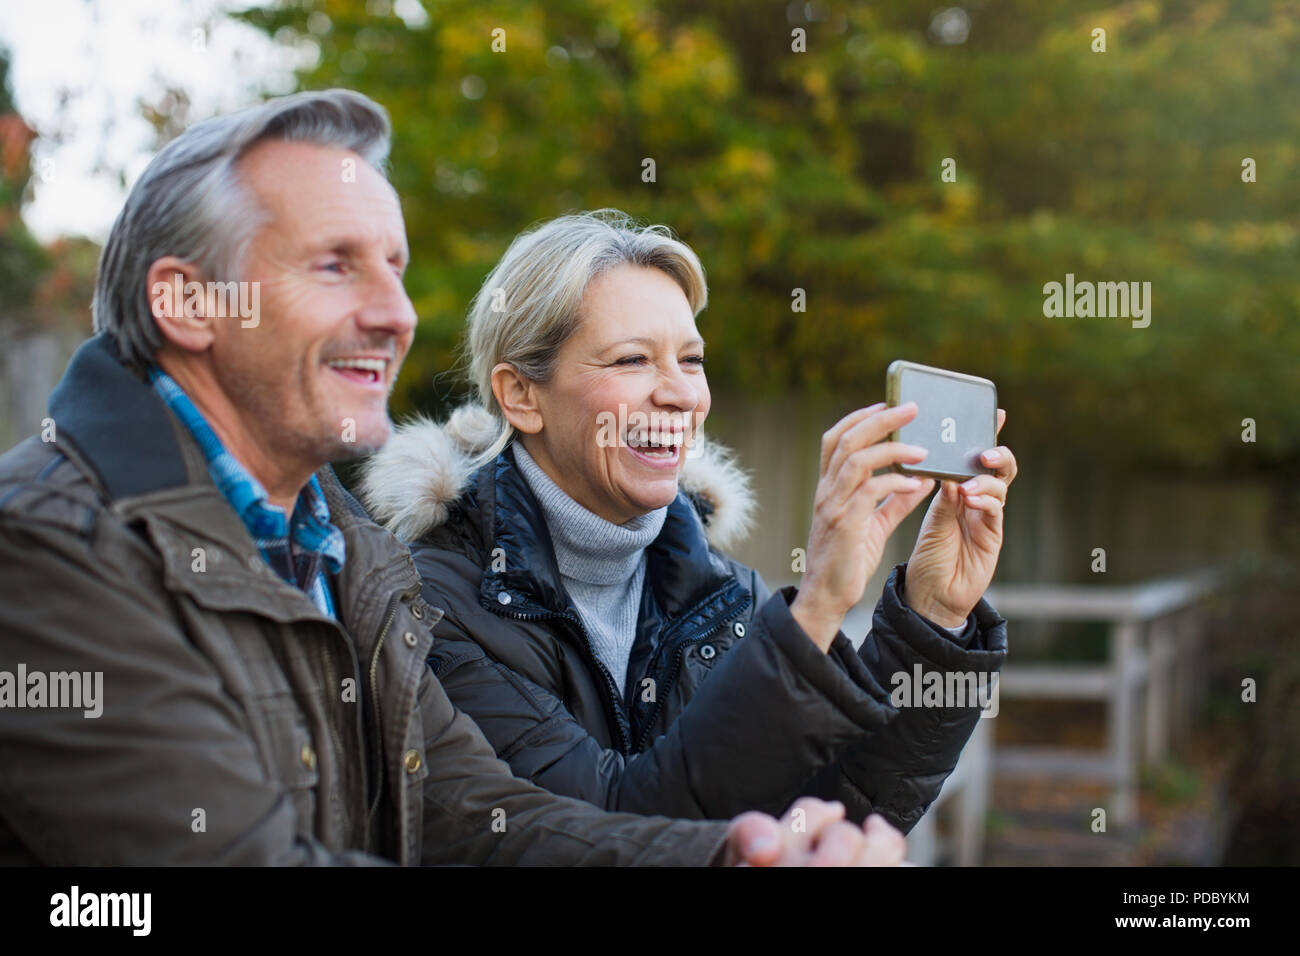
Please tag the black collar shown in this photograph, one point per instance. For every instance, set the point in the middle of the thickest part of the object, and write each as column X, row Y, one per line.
column 680, row 568
column 117, row 422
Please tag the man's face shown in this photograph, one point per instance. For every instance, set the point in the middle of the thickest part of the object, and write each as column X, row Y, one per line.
column 311, row 378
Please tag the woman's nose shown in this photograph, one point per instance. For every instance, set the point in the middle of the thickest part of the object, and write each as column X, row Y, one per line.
column 675, row 390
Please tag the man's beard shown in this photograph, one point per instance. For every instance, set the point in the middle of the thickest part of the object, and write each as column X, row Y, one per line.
column 322, row 444
column 349, row 451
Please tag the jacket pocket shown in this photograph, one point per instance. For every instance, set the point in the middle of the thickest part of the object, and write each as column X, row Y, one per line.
column 699, row 658
column 295, row 761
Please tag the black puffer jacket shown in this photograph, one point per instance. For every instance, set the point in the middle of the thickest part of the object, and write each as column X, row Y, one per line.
column 728, row 706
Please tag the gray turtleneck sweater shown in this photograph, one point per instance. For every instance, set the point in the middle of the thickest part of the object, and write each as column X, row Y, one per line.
column 602, row 564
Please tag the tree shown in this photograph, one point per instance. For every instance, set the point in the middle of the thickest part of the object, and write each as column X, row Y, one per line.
column 823, row 170
column 23, row 263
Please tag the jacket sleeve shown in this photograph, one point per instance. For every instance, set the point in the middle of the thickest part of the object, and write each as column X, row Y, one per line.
column 772, row 712
column 899, row 770
column 122, row 787
column 477, row 811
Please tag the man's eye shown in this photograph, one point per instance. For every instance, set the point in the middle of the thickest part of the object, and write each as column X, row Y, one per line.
column 334, row 265
column 695, row 359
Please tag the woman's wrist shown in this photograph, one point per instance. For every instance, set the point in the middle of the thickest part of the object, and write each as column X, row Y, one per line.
column 932, row 610
column 820, row 625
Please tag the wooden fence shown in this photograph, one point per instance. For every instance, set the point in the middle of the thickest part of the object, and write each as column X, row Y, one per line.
column 1149, row 683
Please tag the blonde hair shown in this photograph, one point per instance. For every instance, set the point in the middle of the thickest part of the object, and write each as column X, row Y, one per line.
column 530, row 303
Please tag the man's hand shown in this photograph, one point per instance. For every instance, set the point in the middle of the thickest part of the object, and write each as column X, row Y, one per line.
column 957, row 549
column 813, row 833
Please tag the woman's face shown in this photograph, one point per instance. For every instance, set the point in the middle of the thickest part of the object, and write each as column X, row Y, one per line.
column 627, row 396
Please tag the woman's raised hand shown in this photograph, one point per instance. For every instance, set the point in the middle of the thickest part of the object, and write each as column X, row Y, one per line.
column 854, row 514
column 957, row 549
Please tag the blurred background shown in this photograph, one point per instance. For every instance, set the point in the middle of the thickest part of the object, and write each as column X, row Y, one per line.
column 863, row 182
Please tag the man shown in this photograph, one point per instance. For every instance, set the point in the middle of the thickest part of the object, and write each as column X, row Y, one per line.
column 213, row 655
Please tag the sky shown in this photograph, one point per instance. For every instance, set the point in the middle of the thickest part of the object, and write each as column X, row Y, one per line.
column 101, row 59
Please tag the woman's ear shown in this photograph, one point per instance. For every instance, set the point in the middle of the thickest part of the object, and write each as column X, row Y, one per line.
column 517, row 397
column 179, row 304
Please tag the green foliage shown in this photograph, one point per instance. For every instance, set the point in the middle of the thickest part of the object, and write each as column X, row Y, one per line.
column 1171, row 782
column 23, row 263
column 821, row 170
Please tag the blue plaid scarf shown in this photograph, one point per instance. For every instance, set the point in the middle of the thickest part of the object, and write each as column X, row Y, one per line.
column 298, row 549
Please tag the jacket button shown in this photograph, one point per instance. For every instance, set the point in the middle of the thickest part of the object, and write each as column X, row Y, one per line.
column 411, row 761
column 411, row 639
column 255, row 563
column 418, row 613
column 308, row 756
column 503, row 597
column 707, row 652
column 738, row 629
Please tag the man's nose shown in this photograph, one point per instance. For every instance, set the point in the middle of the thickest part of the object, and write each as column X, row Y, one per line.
column 387, row 307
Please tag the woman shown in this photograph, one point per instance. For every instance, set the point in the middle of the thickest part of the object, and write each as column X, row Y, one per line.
column 571, row 523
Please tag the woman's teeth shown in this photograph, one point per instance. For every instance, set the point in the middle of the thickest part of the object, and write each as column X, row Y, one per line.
column 657, row 445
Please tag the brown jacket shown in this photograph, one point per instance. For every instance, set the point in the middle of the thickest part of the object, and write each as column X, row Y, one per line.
column 239, row 725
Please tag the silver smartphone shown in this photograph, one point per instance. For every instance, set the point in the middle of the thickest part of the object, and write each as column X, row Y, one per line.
column 956, row 419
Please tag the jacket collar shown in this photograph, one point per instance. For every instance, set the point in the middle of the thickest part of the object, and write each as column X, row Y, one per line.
column 121, row 430
column 412, row 484
column 522, row 576
column 117, row 422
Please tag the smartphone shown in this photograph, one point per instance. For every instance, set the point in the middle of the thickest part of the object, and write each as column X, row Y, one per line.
column 956, row 419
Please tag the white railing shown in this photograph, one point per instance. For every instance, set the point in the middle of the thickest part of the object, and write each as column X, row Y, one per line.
column 1148, row 682
column 965, row 794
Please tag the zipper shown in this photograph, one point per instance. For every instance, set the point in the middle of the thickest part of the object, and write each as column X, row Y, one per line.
column 679, row 651
column 613, row 706
column 376, row 725
column 327, row 660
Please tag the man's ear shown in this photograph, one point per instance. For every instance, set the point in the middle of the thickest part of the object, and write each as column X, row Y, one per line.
column 178, row 304
column 517, row 397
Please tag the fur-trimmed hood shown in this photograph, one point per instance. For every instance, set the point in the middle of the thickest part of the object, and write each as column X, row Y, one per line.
column 425, row 467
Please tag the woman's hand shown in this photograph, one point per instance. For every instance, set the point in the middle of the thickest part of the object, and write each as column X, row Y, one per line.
column 849, row 531
column 961, row 537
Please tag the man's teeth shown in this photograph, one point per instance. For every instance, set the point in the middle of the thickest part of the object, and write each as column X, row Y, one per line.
column 376, row 365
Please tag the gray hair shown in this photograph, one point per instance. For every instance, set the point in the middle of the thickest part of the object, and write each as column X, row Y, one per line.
column 190, row 203
column 530, row 303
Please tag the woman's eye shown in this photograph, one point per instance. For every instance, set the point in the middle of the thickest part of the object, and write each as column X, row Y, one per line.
column 333, row 265
column 631, row 360
column 695, row 359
